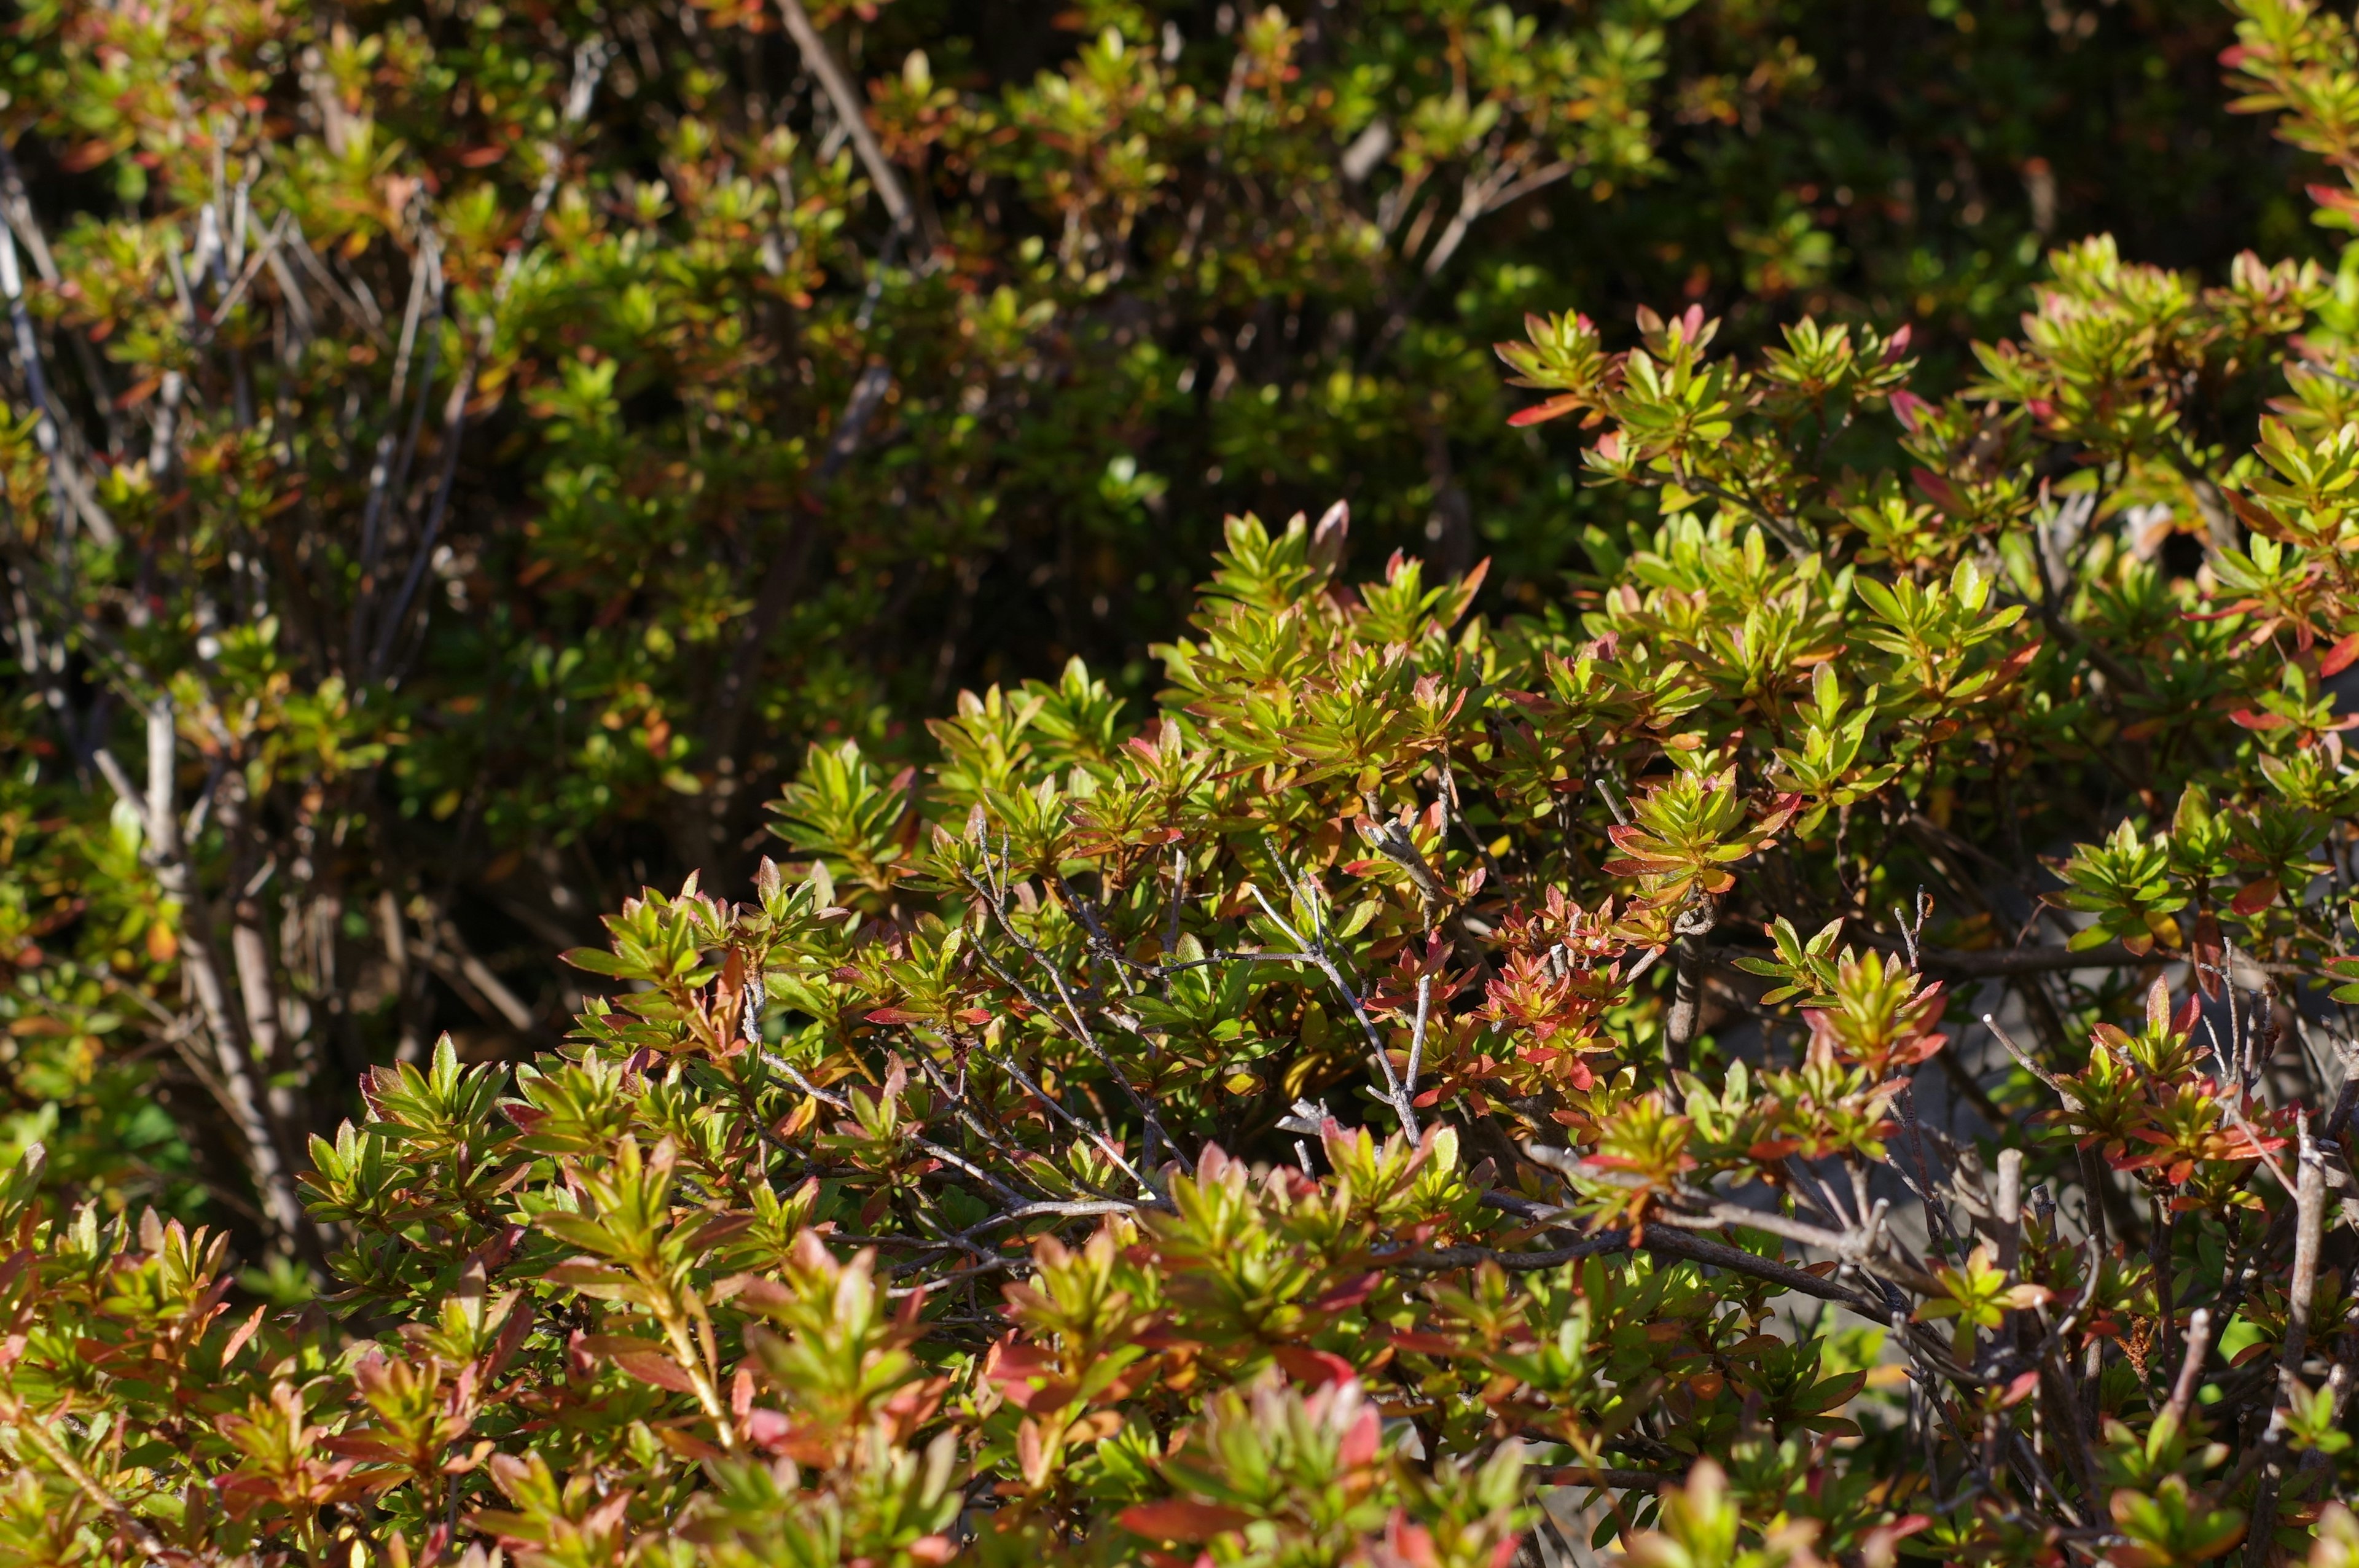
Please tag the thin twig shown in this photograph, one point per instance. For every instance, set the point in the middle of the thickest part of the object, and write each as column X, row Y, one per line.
column 852, row 112
column 1326, row 964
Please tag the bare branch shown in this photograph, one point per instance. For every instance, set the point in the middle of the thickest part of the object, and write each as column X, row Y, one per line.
column 2309, row 1232
column 1326, row 964
column 231, row 1064
column 589, row 66
column 852, row 110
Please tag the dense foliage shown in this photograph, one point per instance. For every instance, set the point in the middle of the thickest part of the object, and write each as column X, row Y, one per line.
column 1436, row 1052
column 510, row 435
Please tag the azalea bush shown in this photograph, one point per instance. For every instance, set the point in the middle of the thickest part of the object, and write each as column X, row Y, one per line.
column 1435, row 1083
column 485, row 447
column 1304, row 1123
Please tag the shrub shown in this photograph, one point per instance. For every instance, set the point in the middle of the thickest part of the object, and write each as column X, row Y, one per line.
column 1430, row 1057
column 696, row 429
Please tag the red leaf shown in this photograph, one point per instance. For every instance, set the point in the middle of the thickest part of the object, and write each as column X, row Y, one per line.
column 1876, row 1547
column 1349, row 1293
column 688, row 1445
column 85, row 156
column 1315, row 1368
column 1010, row 1367
column 238, row 1341
column 2255, row 896
column 642, row 1359
column 1541, row 413
column 2337, row 201
column 1937, row 489
column 1176, row 1519
column 1362, row 1443
column 2338, row 658
column 2259, row 521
